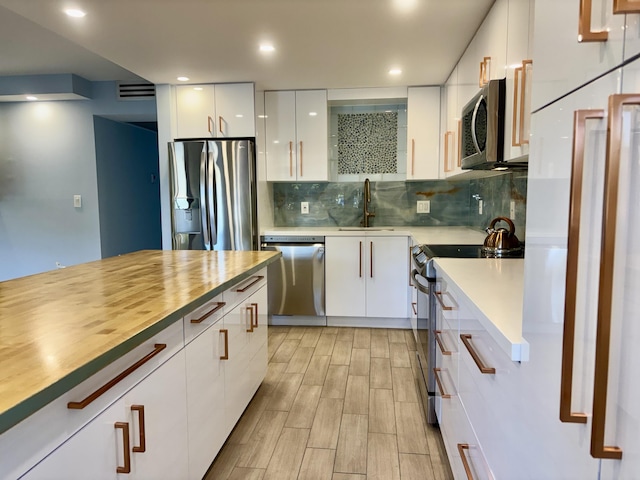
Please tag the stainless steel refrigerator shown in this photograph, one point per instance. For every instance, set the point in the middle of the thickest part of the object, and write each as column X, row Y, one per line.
column 213, row 194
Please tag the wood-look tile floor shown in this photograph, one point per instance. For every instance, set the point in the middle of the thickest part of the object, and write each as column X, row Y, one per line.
column 336, row 404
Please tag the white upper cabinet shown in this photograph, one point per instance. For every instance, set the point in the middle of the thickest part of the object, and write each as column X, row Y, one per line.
column 423, row 129
column 562, row 63
column 224, row 110
column 297, row 134
column 450, row 161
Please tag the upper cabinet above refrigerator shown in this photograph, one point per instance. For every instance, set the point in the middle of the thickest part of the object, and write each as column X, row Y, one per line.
column 215, row 111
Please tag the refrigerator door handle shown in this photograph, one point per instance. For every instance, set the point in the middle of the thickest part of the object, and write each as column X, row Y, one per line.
column 204, row 200
column 212, row 213
column 605, row 290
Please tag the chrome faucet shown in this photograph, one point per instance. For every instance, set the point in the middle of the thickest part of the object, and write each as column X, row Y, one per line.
column 365, row 201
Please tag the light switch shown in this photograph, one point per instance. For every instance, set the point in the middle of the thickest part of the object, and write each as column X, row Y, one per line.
column 77, row 201
column 304, row 208
column 480, row 207
column 512, row 210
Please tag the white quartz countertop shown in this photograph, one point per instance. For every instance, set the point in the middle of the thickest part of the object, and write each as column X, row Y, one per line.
column 429, row 235
column 495, row 290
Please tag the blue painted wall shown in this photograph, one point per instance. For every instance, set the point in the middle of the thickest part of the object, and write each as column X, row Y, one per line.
column 128, row 187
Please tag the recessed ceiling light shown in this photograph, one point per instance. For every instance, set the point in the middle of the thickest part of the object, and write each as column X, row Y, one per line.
column 262, row 116
column 183, row 79
column 75, row 13
column 395, row 71
column 31, row 97
column 267, row 47
column 197, row 88
column 239, row 115
column 313, row 114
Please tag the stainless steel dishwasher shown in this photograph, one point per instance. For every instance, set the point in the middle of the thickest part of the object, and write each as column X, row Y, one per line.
column 296, row 281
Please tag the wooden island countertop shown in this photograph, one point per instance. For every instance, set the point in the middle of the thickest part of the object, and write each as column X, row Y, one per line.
column 60, row 327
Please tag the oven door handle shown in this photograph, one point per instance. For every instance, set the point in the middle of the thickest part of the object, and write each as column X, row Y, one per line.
column 417, row 283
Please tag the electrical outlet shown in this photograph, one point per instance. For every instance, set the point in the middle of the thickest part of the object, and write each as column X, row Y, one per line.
column 304, row 208
column 423, row 206
column 512, row 210
column 480, row 205
column 77, row 201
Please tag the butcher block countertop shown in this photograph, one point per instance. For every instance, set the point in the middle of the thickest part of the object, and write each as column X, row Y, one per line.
column 60, row 327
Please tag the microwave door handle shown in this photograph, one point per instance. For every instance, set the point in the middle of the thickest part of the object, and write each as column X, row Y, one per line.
column 474, row 137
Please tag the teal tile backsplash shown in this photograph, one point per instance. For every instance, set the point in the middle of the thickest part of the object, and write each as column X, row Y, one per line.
column 453, row 202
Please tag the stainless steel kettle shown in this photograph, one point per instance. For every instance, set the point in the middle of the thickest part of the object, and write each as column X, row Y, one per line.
column 501, row 242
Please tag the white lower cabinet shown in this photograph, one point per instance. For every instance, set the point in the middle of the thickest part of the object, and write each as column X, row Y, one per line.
column 367, row 276
column 143, row 435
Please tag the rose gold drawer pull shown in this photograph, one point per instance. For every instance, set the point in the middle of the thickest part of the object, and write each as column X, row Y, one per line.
column 438, row 334
column 255, row 305
column 441, row 301
column 220, row 120
column 142, row 447
column 250, row 310
column 439, row 382
column 584, row 25
column 210, row 125
column 157, row 348
column 462, row 448
column 626, row 6
column 301, row 158
column 466, row 339
column 248, row 286
column 225, row 332
column 126, row 468
column 218, row 306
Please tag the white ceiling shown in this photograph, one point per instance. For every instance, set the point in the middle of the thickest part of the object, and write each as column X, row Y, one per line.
column 319, row 43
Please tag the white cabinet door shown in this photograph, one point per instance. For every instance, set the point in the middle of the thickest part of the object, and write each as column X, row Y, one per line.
column 423, row 133
column 163, row 425
column 195, row 111
column 491, row 40
column 205, row 398
column 387, row 289
column 450, row 158
column 94, row 452
column 519, row 70
column 235, row 107
column 282, row 159
column 312, row 135
column 561, row 62
column 345, row 276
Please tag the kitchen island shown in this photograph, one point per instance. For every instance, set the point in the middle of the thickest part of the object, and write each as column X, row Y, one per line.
column 61, row 328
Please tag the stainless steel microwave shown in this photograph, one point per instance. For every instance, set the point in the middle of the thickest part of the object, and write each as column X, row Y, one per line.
column 482, row 136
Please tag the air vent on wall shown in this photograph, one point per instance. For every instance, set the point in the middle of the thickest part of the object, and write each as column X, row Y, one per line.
column 136, row 91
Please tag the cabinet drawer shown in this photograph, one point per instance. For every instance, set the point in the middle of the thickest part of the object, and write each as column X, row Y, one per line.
column 36, row 436
column 242, row 290
column 203, row 317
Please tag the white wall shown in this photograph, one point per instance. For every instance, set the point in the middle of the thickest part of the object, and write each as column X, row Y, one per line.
column 47, row 156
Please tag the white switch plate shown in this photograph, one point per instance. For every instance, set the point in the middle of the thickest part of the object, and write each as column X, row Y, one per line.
column 423, row 206
column 77, row 201
column 480, row 207
column 304, row 208
column 512, row 210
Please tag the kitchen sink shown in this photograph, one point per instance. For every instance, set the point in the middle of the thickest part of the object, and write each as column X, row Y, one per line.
column 364, row 229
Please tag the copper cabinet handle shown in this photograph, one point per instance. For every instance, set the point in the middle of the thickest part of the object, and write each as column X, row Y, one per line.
column 584, row 25
column 571, row 280
column 447, row 160
column 255, row 305
column 301, row 158
column 482, row 75
column 466, row 339
column 441, row 301
column 515, row 130
column 438, row 335
column 462, row 448
column 291, row 159
column 443, row 394
column 210, row 125
column 605, row 290
column 157, row 348
column 413, row 306
column 371, row 259
column 248, row 286
column 250, row 310
column 225, row 332
column 218, row 306
column 220, row 120
column 413, row 155
column 523, row 138
column 142, row 447
column 126, row 468
column 626, row 6
column 360, row 259
column 410, row 260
